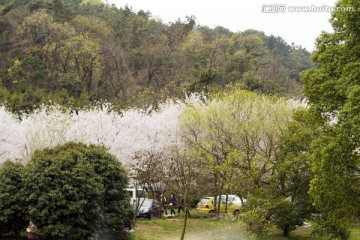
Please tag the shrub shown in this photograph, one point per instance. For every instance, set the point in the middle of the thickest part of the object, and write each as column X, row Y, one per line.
column 76, row 192
column 255, row 217
column 12, row 205
column 286, row 215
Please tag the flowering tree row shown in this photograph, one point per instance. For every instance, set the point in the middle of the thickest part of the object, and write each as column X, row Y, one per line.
column 227, row 144
column 135, row 134
column 124, row 133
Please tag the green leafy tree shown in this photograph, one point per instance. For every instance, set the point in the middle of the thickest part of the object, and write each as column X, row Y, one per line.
column 4, row 94
column 289, row 201
column 333, row 91
column 63, row 10
column 255, row 216
column 132, row 59
column 28, row 72
column 33, row 98
column 115, row 205
column 237, row 135
column 26, row 102
column 95, row 27
column 71, row 84
column 75, row 191
column 12, row 200
column 285, row 215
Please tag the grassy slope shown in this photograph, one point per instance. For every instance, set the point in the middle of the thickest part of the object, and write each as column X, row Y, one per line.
column 212, row 229
column 170, row 229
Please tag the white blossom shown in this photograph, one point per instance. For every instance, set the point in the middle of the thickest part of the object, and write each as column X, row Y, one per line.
column 12, row 138
column 124, row 134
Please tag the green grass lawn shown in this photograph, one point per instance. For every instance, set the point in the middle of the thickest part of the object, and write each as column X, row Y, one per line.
column 196, row 229
column 355, row 232
column 212, row 229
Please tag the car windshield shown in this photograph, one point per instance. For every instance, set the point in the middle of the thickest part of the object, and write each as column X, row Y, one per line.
column 147, row 203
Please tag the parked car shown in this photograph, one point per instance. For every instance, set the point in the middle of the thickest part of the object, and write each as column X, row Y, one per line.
column 237, row 201
column 206, row 204
column 150, row 208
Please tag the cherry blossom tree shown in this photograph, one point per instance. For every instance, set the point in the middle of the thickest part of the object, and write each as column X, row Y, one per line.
column 125, row 134
column 12, row 139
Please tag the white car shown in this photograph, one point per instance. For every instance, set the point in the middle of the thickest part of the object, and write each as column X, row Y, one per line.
column 237, row 201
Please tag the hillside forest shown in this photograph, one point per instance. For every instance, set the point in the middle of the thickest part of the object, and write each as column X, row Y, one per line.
column 77, row 52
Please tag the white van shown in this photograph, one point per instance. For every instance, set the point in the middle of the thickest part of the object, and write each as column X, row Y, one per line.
column 135, row 194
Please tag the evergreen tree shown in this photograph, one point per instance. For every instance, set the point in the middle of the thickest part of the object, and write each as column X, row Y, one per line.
column 333, row 90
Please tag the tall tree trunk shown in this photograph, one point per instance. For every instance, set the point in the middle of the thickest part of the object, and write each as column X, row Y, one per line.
column 286, row 231
column 185, row 219
column 216, row 188
column 226, row 203
column 219, row 205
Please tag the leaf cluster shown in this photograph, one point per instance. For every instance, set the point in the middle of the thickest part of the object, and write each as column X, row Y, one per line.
column 73, row 191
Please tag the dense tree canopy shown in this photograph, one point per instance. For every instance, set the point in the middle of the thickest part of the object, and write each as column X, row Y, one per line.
column 129, row 58
column 333, row 91
column 287, row 197
column 237, row 136
column 76, row 191
column 12, row 201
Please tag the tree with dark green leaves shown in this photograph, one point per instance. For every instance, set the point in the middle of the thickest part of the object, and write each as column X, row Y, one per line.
column 289, row 201
column 286, row 201
column 115, row 206
column 75, row 191
column 12, row 199
column 333, row 90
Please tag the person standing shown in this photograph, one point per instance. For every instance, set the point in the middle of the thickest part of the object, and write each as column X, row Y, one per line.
column 181, row 204
column 31, row 230
column 163, row 201
column 172, row 203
